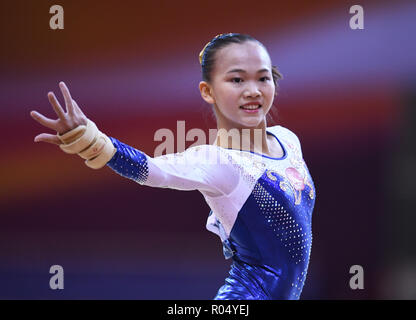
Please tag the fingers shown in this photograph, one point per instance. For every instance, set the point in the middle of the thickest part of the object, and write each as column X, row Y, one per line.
column 56, row 106
column 47, row 137
column 49, row 123
column 77, row 108
column 67, row 97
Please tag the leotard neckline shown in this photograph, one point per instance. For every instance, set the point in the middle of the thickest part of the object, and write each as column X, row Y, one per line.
column 262, row 155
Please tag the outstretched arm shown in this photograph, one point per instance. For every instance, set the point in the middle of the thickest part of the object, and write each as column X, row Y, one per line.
column 201, row 168
column 204, row 168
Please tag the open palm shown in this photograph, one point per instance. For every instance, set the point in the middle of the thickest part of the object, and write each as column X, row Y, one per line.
column 72, row 118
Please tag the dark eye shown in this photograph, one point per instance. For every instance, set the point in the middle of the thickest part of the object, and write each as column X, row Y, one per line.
column 266, row 78
column 232, row 80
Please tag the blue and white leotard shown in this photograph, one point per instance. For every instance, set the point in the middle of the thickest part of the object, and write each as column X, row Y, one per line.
column 261, row 208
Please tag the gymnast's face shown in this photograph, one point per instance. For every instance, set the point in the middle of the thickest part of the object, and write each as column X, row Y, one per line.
column 242, row 74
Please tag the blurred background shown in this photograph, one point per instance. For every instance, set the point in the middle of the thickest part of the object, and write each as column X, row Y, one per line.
column 133, row 68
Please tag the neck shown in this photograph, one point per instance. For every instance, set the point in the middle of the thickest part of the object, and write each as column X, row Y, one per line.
column 253, row 139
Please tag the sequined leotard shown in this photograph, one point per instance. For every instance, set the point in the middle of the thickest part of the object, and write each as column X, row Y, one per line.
column 261, row 208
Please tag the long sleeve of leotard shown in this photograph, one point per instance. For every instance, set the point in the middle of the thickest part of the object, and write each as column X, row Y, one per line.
column 202, row 168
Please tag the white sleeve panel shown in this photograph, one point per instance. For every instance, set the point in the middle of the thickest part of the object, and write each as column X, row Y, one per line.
column 204, row 168
column 292, row 136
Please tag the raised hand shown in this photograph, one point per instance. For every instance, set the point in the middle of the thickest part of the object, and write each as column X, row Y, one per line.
column 72, row 118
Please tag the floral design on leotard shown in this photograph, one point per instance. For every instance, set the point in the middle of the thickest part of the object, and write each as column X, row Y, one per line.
column 295, row 177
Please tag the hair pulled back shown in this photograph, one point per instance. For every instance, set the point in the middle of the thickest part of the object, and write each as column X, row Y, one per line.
column 207, row 59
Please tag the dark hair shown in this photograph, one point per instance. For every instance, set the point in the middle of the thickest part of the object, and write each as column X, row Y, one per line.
column 208, row 58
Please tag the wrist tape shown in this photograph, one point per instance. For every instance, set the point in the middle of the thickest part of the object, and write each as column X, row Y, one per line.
column 89, row 143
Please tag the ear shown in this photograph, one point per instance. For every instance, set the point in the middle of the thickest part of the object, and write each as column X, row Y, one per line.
column 206, row 92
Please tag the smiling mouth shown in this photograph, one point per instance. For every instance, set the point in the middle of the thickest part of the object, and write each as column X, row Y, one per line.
column 251, row 107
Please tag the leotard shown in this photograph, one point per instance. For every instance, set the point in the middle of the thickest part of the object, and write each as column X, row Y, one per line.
column 261, row 208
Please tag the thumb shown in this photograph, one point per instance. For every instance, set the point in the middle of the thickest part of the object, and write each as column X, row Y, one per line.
column 49, row 138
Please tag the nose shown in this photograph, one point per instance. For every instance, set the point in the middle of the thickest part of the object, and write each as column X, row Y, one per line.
column 251, row 90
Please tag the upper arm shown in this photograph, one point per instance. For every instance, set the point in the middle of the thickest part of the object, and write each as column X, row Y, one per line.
column 201, row 168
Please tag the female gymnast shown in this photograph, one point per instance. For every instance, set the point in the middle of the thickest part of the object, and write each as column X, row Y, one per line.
column 259, row 189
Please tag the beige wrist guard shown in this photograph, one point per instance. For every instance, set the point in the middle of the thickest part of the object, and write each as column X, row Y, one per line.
column 89, row 143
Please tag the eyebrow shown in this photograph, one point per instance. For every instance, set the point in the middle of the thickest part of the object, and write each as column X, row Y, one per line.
column 241, row 70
